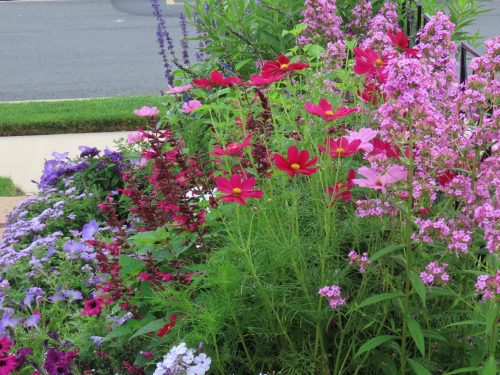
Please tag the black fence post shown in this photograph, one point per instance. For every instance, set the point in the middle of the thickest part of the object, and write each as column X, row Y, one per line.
column 463, row 63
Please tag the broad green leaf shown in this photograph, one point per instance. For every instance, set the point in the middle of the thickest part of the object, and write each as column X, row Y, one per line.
column 118, row 332
column 153, row 326
column 490, row 366
column 130, row 266
column 379, row 298
column 373, row 343
column 385, row 251
column 418, row 368
column 462, row 370
column 416, row 334
column 419, row 286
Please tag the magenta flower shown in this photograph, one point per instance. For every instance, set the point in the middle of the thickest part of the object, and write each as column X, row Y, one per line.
column 361, row 261
column 237, row 189
column 435, row 274
column 190, row 106
column 297, row 162
column 333, row 294
column 233, row 148
column 324, row 109
column 146, row 111
column 379, row 181
column 488, row 286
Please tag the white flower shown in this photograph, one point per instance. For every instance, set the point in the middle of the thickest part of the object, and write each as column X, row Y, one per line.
column 188, row 357
column 179, row 349
column 196, row 370
column 203, row 360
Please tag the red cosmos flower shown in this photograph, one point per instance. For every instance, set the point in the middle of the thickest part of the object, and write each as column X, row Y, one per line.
column 371, row 63
column 5, row 345
column 340, row 147
column 380, row 147
column 282, row 65
column 400, row 40
column 342, row 190
column 325, row 110
column 216, row 79
column 446, row 177
column 237, row 189
column 297, row 162
column 7, row 364
column 264, row 79
column 371, row 93
column 233, row 149
column 93, row 306
column 167, row 327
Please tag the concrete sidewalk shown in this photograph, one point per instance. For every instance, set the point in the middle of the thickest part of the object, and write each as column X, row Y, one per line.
column 22, row 158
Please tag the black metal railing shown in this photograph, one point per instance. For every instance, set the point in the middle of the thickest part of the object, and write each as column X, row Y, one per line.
column 415, row 18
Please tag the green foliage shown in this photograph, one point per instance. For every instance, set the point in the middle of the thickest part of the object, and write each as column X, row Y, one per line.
column 244, row 31
column 8, row 188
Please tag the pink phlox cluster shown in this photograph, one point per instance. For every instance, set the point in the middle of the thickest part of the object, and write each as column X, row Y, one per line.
column 322, row 22
column 435, row 274
column 488, row 286
column 375, row 208
column 361, row 261
column 489, row 63
column 457, row 238
column 333, row 294
column 384, row 22
column 437, row 51
column 362, row 17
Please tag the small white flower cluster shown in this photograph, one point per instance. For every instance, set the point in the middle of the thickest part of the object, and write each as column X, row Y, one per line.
column 183, row 361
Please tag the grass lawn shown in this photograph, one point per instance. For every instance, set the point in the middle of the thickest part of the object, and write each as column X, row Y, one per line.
column 8, row 189
column 73, row 116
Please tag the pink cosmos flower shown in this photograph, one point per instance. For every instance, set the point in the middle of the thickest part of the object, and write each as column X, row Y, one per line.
column 341, row 189
column 376, row 180
column 365, row 135
column 190, row 106
column 179, row 89
column 237, row 189
column 135, row 137
column 325, row 110
column 233, row 149
column 146, row 111
column 8, row 365
column 216, row 78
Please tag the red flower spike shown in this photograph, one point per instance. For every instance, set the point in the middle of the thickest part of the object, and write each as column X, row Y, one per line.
column 167, row 327
column 297, row 162
column 342, row 190
column 446, row 177
column 264, row 79
column 233, row 149
column 340, row 147
column 216, row 79
column 282, row 65
column 325, row 110
column 237, row 189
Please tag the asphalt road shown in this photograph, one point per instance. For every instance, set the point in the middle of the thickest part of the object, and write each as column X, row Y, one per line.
column 55, row 49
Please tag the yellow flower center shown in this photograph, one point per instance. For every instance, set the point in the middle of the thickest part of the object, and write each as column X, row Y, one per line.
column 340, row 150
column 295, row 166
column 236, row 191
column 379, row 63
column 283, row 66
column 329, row 113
